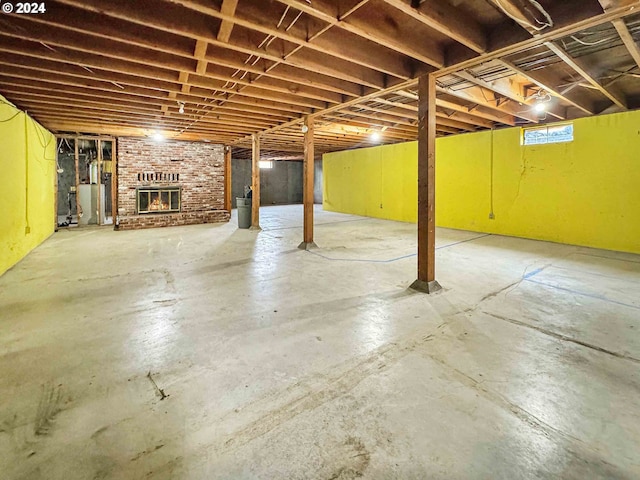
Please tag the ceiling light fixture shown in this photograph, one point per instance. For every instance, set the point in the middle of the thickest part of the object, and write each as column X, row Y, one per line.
column 158, row 137
column 541, row 101
column 375, row 136
column 181, row 107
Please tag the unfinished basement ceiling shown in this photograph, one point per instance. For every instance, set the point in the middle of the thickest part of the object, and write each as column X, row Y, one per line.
column 222, row 70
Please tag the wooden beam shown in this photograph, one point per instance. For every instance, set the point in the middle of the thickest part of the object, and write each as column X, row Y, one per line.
column 200, row 52
column 426, row 281
column 327, row 60
column 513, row 91
column 257, row 18
column 459, row 113
column 392, row 34
column 520, row 11
column 627, row 39
column 201, row 87
column 489, row 99
column 447, row 20
column 478, row 111
column 65, row 22
column 543, row 80
column 579, row 66
column 255, row 182
column 183, row 79
column 307, row 184
column 227, row 178
column 610, row 4
column 228, row 8
column 577, row 21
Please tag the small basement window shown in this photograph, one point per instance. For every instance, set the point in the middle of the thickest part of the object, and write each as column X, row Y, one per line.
column 547, row 134
column 266, row 164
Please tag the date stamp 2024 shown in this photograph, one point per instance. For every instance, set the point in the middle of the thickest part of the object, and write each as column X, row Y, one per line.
column 24, row 8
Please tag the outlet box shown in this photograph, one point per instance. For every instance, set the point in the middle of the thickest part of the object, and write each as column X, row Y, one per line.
column 492, row 216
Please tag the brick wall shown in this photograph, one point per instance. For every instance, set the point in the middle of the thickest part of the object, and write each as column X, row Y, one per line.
column 198, row 168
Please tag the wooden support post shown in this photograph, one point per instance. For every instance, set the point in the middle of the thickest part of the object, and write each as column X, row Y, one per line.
column 255, row 183
column 307, row 185
column 227, row 178
column 426, row 281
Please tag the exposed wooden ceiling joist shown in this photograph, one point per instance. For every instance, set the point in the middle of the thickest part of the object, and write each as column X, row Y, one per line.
column 445, row 19
column 239, row 67
column 541, row 79
column 580, row 68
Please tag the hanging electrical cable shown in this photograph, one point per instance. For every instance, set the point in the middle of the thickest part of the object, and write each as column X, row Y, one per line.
column 547, row 23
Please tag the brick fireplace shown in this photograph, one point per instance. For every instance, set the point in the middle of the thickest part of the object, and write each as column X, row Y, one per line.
column 169, row 183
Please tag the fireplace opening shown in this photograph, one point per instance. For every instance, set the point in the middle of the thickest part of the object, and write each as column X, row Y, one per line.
column 158, row 199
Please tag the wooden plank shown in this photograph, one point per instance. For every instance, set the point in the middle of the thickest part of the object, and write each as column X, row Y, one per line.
column 627, row 39
column 227, row 178
column 577, row 65
column 201, row 86
column 447, row 20
column 513, row 91
column 478, row 111
column 426, row 281
column 255, row 182
column 228, row 8
column 109, row 103
column 392, row 34
column 577, row 22
column 541, row 78
column 200, row 52
column 307, row 182
column 488, row 99
column 63, row 23
column 194, row 23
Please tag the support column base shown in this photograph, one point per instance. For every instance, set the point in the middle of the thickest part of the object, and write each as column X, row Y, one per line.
column 307, row 245
column 256, row 227
column 426, row 287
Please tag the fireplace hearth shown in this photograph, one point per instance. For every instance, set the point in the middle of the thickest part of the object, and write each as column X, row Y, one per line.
column 158, row 200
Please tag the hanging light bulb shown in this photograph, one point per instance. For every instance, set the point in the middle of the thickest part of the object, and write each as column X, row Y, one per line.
column 181, row 107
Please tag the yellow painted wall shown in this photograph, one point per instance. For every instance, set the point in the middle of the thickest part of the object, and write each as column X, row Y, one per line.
column 586, row 192
column 376, row 182
column 27, row 184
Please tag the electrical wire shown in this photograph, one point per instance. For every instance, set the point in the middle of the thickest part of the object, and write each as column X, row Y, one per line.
column 540, row 8
column 591, row 44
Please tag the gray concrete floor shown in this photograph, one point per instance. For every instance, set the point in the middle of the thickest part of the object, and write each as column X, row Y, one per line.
column 278, row 363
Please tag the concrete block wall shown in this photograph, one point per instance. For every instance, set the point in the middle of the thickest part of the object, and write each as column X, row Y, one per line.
column 280, row 185
column 197, row 168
